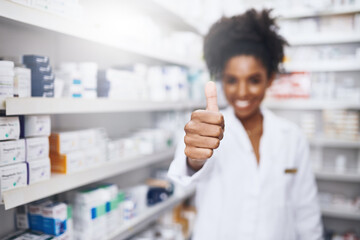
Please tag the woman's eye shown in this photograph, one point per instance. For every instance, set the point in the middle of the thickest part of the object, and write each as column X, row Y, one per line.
column 230, row 80
column 255, row 80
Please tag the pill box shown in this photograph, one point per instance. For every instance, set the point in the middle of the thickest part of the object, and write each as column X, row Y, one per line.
column 38, row 170
column 54, row 218
column 12, row 152
column 64, row 142
column 36, row 60
column 67, row 163
column 9, row 128
column 35, row 126
column 37, row 148
column 35, row 214
column 13, row 176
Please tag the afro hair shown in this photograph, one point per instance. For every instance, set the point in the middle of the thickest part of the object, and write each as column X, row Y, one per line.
column 252, row 33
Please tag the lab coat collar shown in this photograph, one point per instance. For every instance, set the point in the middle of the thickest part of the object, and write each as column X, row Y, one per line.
column 273, row 129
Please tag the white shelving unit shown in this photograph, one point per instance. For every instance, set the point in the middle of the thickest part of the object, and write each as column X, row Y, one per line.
column 323, row 142
column 315, row 39
column 152, row 213
column 60, row 182
column 333, row 212
column 24, row 106
column 308, row 104
column 304, row 13
column 82, row 30
column 333, row 176
column 323, row 66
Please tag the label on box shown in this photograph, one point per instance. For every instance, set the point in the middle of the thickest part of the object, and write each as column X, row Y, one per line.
column 36, row 126
column 12, row 152
column 13, row 176
column 9, row 128
column 37, row 148
column 39, row 170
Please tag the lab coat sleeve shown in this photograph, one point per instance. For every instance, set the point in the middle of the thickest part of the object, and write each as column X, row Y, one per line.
column 307, row 212
column 181, row 173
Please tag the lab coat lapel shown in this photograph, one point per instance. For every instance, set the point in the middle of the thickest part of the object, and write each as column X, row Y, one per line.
column 272, row 141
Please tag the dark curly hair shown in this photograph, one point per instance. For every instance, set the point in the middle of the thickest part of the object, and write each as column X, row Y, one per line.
column 252, row 33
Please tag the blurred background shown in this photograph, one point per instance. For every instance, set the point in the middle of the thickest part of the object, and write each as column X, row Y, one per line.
column 113, row 82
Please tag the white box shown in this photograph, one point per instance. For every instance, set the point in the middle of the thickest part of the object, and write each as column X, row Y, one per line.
column 12, row 152
column 37, row 126
column 13, row 176
column 64, row 142
column 9, row 128
column 38, row 170
column 37, row 148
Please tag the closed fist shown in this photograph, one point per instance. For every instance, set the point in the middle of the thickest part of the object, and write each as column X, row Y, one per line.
column 204, row 131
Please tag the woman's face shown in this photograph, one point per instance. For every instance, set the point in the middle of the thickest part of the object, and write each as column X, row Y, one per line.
column 245, row 81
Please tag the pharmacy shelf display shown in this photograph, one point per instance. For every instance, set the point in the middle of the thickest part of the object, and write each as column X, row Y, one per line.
column 338, row 143
column 329, row 12
column 334, row 212
column 26, row 106
column 333, row 176
column 323, row 66
column 151, row 214
column 308, row 104
column 52, row 22
column 59, row 183
column 314, row 39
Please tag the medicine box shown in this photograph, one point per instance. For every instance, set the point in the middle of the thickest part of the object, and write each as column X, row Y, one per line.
column 35, row 126
column 35, row 214
column 13, row 176
column 38, row 170
column 67, row 163
column 37, row 148
column 64, row 142
column 9, row 128
column 12, row 152
column 54, row 218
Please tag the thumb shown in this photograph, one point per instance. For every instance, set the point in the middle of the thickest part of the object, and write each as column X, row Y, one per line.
column 211, row 97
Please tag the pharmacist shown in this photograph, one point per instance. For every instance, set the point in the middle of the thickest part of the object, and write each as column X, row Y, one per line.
column 251, row 168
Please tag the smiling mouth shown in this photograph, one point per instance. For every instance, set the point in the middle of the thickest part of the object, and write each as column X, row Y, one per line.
column 242, row 104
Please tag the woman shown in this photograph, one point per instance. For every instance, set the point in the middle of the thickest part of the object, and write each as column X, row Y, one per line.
column 258, row 183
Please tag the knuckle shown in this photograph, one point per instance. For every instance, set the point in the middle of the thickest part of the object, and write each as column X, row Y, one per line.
column 216, row 143
column 187, row 140
column 208, row 153
column 218, row 131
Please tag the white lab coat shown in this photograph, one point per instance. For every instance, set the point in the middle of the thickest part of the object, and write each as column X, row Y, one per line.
column 238, row 199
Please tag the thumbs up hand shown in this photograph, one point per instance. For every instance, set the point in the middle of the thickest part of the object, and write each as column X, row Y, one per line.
column 204, row 131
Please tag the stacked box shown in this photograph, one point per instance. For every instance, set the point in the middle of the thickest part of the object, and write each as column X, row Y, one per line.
column 35, row 126
column 13, row 172
column 22, row 82
column 6, row 79
column 74, row 151
column 42, row 77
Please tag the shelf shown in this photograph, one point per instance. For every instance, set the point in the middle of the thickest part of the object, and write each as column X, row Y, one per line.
column 324, row 66
column 334, row 212
column 324, row 142
column 315, row 39
column 308, row 104
column 83, row 30
column 138, row 223
column 312, row 13
column 26, row 106
column 342, row 177
column 60, row 183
